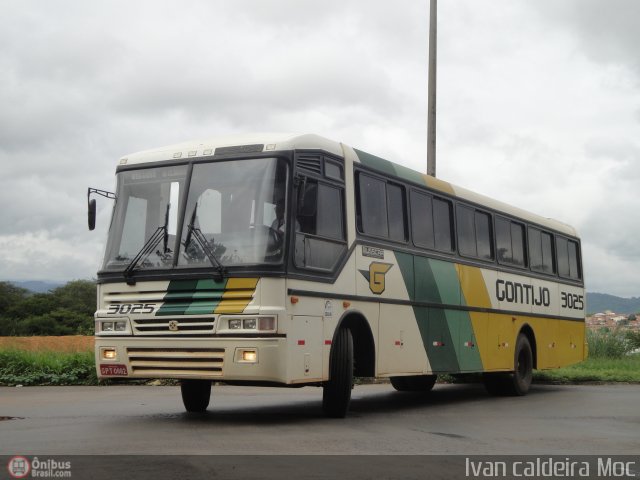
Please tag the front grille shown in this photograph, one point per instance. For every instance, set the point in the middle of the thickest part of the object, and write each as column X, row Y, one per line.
column 176, row 362
column 185, row 325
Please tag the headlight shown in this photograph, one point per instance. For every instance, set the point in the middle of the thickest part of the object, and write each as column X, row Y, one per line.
column 120, row 327
column 261, row 324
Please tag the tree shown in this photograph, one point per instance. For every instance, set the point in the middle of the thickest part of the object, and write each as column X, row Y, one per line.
column 67, row 310
column 10, row 296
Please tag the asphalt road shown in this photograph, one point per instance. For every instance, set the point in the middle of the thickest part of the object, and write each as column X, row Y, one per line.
column 452, row 419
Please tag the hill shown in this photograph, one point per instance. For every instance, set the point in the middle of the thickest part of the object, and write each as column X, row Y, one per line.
column 37, row 286
column 599, row 302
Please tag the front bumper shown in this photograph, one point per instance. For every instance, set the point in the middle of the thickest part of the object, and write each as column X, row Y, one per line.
column 217, row 358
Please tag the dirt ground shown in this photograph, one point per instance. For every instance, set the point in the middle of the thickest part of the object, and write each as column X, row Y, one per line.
column 70, row 343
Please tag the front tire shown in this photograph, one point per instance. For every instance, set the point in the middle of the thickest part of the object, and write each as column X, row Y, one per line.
column 336, row 393
column 195, row 395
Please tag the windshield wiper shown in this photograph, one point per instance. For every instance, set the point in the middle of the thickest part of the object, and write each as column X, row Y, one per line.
column 195, row 232
column 161, row 233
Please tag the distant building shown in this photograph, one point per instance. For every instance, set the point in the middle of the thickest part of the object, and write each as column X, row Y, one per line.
column 612, row 320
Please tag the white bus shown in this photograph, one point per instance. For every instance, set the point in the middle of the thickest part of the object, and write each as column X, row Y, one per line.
column 295, row 260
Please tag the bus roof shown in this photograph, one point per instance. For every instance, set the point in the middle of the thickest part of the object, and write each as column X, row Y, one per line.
column 264, row 142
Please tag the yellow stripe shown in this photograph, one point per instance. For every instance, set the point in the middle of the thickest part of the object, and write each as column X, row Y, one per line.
column 238, row 293
column 438, row 184
column 476, row 295
column 473, row 286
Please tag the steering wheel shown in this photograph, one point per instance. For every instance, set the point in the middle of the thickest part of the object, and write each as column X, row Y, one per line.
column 274, row 242
column 193, row 253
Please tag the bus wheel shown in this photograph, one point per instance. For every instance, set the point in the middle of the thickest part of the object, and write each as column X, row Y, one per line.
column 523, row 367
column 414, row 383
column 518, row 382
column 336, row 393
column 195, row 394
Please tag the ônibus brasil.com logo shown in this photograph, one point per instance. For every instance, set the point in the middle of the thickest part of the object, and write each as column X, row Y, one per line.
column 19, row 467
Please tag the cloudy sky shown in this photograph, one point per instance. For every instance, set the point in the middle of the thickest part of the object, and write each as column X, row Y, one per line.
column 538, row 105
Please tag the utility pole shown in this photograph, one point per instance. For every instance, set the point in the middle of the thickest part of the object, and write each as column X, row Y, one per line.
column 431, row 118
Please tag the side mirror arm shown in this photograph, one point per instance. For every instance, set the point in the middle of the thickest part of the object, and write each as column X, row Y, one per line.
column 91, row 204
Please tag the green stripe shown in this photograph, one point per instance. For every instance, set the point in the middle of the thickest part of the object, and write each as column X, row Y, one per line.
column 422, row 286
column 435, row 281
column 192, row 297
column 376, row 162
column 390, row 168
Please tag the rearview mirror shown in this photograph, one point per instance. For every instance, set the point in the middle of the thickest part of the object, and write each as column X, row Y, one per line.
column 91, row 214
column 91, row 204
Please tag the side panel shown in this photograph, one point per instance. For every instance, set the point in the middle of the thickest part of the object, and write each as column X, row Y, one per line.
column 400, row 344
column 305, row 348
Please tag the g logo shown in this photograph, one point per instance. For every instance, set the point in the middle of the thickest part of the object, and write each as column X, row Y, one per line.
column 376, row 276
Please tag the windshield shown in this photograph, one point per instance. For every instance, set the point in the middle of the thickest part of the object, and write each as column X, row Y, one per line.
column 238, row 207
column 146, row 201
column 234, row 216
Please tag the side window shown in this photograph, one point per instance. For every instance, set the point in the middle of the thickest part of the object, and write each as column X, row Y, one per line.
column 320, row 234
column 510, row 242
column 333, row 170
column 431, row 222
column 563, row 256
column 574, row 264
column 548, row 258
column 372, row 206
column 422, row 220
column 396, row 213
column 541, row 256
column 381, row 208
column 443, row 224
column 483, row 235
column 466, row 231
column 329, row 221
column 568, row 258
column 474, row 233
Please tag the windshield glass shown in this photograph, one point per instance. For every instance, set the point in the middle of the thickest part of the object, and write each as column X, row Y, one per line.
column 238, row 207
column 235, row 214
column 147, row 200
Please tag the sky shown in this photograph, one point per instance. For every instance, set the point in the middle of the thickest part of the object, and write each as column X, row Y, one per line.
column 538, row 105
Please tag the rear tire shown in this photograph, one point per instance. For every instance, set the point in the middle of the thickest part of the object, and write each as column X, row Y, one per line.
column 414, row 383
column 336, row 393
column 517, row 383
column 195, row 395
column 523, row 371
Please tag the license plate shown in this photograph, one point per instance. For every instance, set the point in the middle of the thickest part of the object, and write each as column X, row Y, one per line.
column 113, row 370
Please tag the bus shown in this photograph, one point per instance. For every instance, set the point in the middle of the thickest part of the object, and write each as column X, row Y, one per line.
column 294, row 260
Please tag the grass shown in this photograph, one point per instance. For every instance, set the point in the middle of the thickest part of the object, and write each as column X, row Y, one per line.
column 21, row 367
column 595, row 369
column 609, row 361
column 608, row 344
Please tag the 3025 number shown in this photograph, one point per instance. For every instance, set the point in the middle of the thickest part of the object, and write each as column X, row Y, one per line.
column 572, row 300
column 127, row 308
